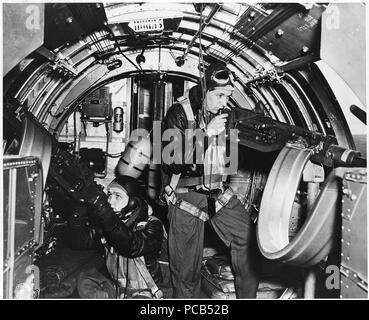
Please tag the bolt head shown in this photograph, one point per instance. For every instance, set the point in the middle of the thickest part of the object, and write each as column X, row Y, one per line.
column 279, row 33
column 305, row 49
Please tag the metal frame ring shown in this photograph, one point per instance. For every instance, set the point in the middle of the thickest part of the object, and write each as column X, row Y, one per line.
column 315, row 239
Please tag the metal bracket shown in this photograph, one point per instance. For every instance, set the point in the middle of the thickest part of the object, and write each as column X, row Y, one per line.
column 262, row 76
column 313, row 173
column 58, row 62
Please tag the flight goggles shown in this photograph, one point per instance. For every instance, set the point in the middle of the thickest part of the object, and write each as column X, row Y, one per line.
column 220, row 78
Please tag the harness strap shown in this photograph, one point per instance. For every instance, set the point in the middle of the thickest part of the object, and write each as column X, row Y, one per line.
column 223, row 199
column 188, row 110
column 169, row 194
column 191, row 209
column 169, row 189
column 141, row 267
column 190, row 181
column 221, row 202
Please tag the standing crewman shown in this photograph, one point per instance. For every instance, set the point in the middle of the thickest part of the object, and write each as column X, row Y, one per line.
column 195, row 192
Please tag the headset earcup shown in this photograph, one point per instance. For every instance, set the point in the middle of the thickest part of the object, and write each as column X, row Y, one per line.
column 132, row 204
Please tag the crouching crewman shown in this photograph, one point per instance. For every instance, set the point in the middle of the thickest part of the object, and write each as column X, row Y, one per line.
column 132, row 246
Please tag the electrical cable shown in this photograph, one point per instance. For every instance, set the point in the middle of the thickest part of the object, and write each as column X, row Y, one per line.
column 95, row 41
column 84, row 128
column 120, row 50
column 117, row 282
column 127, row 278
column 204, row 112
column 75, row 129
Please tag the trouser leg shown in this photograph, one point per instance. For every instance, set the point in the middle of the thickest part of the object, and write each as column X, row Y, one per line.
column 94, row 285
column 186, row 234
column 233, row 225
column 245, row 273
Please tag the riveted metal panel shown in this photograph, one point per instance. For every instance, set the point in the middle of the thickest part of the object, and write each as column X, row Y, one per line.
column 296, row 36
column 350, row 289
column 354, row 277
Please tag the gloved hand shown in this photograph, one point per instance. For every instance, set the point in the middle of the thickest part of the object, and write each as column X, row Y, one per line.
column 74, row 177
column 77, row 179
column 217, row 125
column 91, row 193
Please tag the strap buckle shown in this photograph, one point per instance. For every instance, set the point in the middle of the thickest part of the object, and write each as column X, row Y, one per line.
column 158, row 294
column 169, row 195
column 166, row 190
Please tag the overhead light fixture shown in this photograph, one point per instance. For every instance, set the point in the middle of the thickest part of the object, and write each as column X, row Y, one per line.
column 140, row 59
column 180, row 61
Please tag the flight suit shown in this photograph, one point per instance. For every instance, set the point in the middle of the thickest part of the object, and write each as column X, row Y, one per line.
column 231, row 223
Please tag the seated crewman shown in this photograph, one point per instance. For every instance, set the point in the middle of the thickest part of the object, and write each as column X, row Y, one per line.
column 132, row 263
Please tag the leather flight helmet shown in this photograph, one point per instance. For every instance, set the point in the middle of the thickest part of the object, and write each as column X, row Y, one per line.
column 131, row 187
column 218, row 75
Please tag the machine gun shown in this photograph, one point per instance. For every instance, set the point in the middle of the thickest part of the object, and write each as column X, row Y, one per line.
column 266, row 135
column 69, row 172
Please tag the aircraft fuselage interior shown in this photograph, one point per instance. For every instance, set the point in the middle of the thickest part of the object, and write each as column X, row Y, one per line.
column 79, row 79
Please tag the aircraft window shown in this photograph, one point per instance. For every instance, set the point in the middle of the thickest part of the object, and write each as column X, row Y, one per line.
column 24, row 210
column 22, row 200
column 11, row 136
column 12, row 148
column 6, row 212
